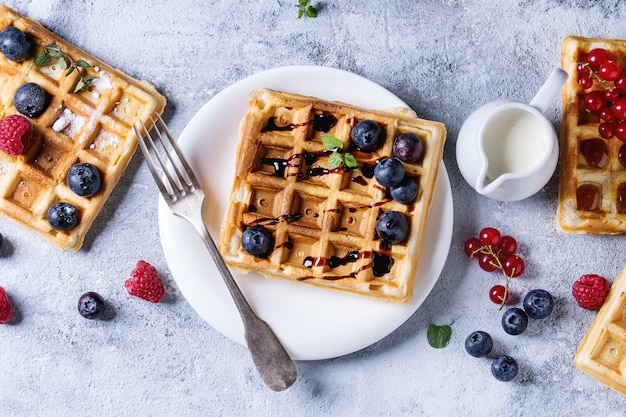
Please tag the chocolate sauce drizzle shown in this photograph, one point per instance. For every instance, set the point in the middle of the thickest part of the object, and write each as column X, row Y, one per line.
column 381, row 264
column 321, row 122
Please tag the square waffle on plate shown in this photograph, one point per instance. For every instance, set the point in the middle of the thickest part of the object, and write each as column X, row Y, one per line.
column 602, row 353
column 592, row 189
column 93, row 125
column 323, row 220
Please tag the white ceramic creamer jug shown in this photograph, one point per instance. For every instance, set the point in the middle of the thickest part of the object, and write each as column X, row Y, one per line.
column 508, row 150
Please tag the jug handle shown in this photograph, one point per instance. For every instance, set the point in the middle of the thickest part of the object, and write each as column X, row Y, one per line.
column 549, row 89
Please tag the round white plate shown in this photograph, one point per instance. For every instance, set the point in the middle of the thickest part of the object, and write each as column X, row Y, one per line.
column 312, row 323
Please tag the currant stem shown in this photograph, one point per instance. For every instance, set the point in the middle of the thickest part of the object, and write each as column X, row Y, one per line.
column 489, row 251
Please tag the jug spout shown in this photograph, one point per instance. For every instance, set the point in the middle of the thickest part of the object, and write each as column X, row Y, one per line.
column 489, row 186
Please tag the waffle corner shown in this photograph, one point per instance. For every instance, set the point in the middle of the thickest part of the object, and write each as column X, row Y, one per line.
column 97, row 127
column 282, row 181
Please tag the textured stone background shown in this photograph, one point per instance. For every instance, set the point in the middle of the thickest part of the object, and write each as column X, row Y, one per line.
column 443, row 58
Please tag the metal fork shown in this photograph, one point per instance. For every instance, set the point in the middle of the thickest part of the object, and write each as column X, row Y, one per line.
column 184, row 196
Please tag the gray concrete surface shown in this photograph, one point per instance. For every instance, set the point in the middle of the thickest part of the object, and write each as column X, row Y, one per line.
column 444, row 58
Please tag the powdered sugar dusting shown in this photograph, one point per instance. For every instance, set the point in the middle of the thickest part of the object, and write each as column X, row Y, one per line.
column 68, row 123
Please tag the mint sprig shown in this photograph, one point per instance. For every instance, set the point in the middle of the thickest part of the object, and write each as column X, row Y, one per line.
column 44, row 58
column 338, row 156
column 438, row 336
column 306, row 9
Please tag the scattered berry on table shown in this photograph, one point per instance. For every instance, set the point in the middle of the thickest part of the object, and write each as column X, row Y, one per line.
column 257, row 241
column 392, row 226
column 514, row 321
column 408, row 147
column 6, row 311
column 91, row 305
column 496, row 252
column 63, row 216
column 145, row 282
column 478, row 344
column 504, row 368
column 405, row 192
column 538, row 304
column 84, row 179
column 366, row 135
column 389, row 172
column 590, row 291
column 16, row 134
column 30, row 100
column 1, row 243
column 498, row 294
column 15, row 44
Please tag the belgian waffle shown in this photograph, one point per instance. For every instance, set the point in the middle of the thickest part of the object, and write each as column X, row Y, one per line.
column 93, row 125
column 592, row 194
column 323, row 221
column 602, row 353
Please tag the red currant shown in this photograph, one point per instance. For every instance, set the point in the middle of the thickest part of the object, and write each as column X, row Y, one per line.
column 497, row 294
column 607, row 115
column 585, row 82
column 620, row 131
column 471, row 246
column 595, row 101
column 489, row 236
column 609, row 70
column 607, row 130
column 583, row 70
column 487, row 262
column 620, row 83
column 619, row 108
column 597, row 57
column 507, row 245
column 611, row 94
column 513, row 266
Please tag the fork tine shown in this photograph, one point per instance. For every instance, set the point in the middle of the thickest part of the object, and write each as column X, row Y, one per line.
column 150, row 161
column 187, row 173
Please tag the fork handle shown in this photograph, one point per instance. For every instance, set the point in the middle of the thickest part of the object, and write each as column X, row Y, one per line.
column 270, row 357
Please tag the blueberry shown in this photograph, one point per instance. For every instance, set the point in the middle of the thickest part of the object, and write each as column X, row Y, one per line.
column 91, row 305
column 389, row 172
column 15, row 44
column 366, row 135
column 514, row 321
column 405, row 192
column 30, row 100
column 63, row 216
column 478, row 344
column 538, row 304
column 84, row 179
column 257, row 241
column 408, row 147
column 504, row 368
column 392, row 226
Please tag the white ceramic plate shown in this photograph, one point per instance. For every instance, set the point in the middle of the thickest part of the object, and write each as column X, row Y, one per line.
column 312, row 323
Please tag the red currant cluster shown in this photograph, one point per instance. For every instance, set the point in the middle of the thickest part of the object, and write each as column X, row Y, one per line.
column 496, row 252
column 609, row 102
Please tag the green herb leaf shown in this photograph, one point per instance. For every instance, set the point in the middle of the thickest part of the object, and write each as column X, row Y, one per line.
column 83, row 64
column 438, row 336
column 335, row 160
column 69, row 71
column 79, row 86
column 42, row 59
column 350, row 161
column 304, row 3
column 330, row 142
column 311, row 12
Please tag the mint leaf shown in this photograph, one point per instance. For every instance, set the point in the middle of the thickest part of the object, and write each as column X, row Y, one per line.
column 83, row 64
column 438, row 336
column 350, row 160
column 42, row 59
column 330, row 142
column 335, row 160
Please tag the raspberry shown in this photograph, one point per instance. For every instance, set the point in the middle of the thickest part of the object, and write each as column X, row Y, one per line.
column 145, row 282
column 590, row 291
column 6, row 312
column 16, row 134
